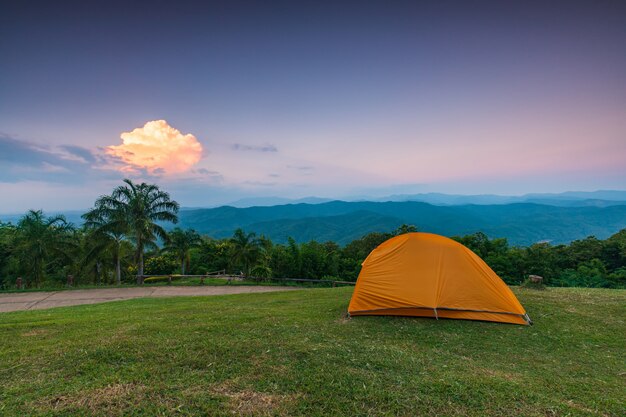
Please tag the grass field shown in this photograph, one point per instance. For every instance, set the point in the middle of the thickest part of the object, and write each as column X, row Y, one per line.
column 295, row 353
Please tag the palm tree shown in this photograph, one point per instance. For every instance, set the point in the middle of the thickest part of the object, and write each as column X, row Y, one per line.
column 95, row 254
column 134, row 210
column 180, row 243
column 40, row 240
column 107, row 231
column 245, row 249
column 262, row 268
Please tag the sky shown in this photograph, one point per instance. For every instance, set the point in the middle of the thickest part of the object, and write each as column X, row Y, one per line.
column 217, row 101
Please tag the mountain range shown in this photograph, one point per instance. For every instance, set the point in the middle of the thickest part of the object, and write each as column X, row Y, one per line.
column 342, row 222
column 523, row 220
column 600, row 198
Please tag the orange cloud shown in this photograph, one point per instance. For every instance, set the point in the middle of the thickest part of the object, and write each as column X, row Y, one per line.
column 158, row 148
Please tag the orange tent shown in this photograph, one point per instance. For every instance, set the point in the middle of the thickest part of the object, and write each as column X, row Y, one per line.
column 427, row 275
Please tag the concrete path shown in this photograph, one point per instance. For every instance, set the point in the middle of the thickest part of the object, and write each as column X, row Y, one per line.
column 48, row 299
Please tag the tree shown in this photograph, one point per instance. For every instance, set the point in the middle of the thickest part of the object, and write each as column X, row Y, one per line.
column 40, row 241
column 96, row 252
column 356, row 251
column 540, row 260
column 405, row 228
column 107, row 229
column 7, row 233
column 584, row 250
column 478, row 242
column 135, row 209
column 180, row 243
column 212, row 255
column 318, row 259
column 245, row 249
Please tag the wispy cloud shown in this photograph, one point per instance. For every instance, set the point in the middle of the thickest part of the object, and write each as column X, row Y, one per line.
column 17, row 151
column 207, row 174
column 82, row 154
column 259, row 183
column 29, row 161
column 261, row 148
column 304, row 168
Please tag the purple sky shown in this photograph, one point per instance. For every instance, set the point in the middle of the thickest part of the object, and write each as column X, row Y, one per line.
column 295, row 99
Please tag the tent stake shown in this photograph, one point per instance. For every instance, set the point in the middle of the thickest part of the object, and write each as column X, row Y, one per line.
column 436, row 316
column 528, row 320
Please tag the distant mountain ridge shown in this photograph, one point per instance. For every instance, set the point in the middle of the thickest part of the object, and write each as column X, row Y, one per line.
column 600, row 198
column 342, row 222
column 276, row 201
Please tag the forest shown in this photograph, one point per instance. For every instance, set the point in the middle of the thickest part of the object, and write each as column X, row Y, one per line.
column 127, row 236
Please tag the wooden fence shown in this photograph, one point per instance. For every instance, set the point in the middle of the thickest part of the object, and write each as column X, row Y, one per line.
column 229, row 277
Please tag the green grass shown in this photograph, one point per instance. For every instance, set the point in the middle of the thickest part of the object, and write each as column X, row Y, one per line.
column 294, row 353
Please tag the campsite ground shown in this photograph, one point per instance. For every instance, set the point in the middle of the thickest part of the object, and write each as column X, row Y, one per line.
column 38, row 300
column 294, row 353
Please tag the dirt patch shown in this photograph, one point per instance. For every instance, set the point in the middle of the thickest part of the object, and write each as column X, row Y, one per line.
column 110, row 400
column 492, row 373
column 580, row 407
column 34, row 332
column 246, row 402
column 344, row 318
column 42, row 300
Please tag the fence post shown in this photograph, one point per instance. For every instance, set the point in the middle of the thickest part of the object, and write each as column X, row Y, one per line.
column 70, row 280
column 18, row 283
column 169, row 280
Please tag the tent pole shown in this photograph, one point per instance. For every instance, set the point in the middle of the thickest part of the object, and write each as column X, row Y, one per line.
column 436, row 315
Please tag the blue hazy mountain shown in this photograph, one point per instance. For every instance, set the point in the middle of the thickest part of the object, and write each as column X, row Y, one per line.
column 72, row 216
column 523, row 220
column 341, row 221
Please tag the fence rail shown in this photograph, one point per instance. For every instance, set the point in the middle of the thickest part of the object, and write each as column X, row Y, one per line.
column 334, row 283
column 230, row 277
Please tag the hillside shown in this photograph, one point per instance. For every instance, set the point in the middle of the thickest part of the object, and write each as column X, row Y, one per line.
column 521, row 223
column 294, row 354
